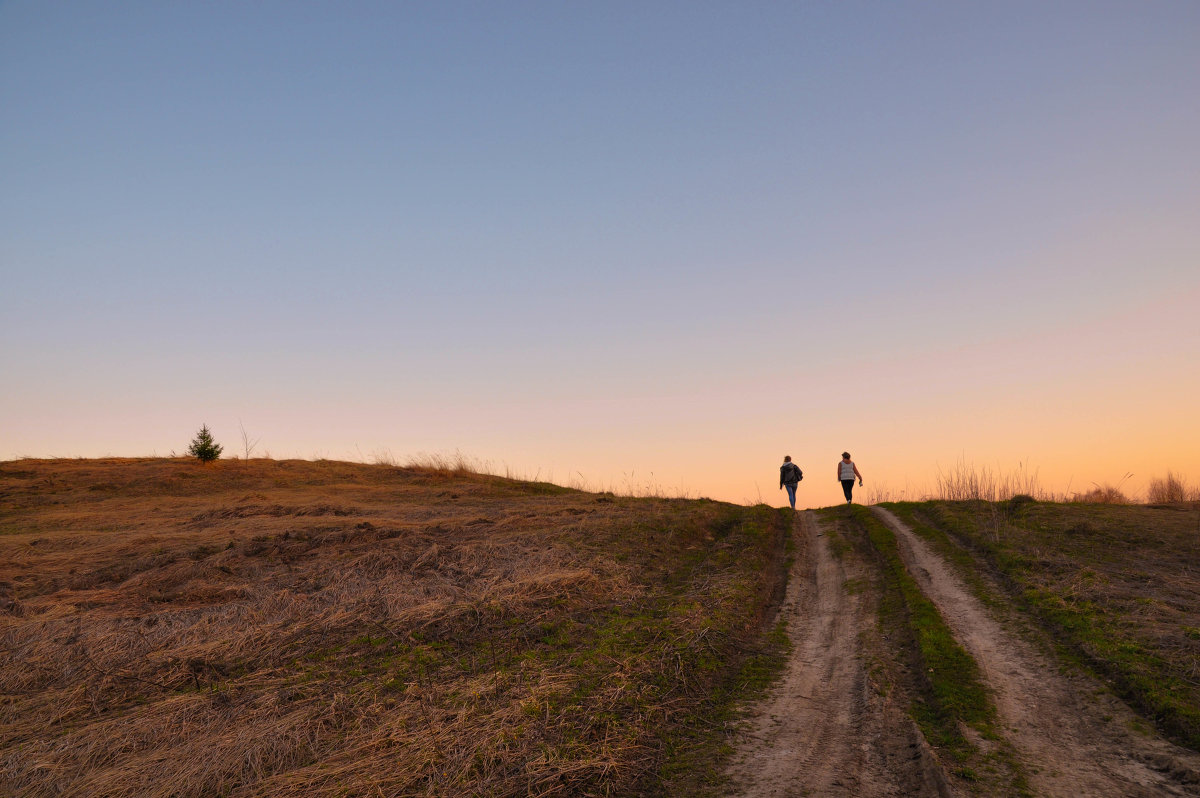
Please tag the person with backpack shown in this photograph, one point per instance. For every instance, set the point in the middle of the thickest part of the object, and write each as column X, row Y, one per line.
column 847, row 471
column 789, row 477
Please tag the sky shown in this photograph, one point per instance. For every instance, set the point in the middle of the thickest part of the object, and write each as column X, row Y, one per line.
column 645, row 247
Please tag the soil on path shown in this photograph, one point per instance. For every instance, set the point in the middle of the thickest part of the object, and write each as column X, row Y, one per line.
column 823, row 731
column 1072, row 736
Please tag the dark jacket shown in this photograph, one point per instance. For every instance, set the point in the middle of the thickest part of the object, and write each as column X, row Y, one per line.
column 790, row 474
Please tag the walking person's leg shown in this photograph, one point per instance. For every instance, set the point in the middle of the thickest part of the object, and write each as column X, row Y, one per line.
column 848, row 489
column 791, row 489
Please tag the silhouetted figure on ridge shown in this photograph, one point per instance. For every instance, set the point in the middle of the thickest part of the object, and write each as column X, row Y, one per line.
column 789, row 477
column 847, row 471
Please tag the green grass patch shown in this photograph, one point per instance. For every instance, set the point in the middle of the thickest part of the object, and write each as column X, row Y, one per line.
column 954, row 690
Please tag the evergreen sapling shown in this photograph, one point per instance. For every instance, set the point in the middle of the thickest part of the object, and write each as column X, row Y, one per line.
column 203, row 447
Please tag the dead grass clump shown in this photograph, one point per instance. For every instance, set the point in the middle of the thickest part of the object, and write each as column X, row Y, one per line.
column 456, row 464
column 1102, row 494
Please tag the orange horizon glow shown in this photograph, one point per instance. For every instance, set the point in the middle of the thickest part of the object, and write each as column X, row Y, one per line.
column 637, row 248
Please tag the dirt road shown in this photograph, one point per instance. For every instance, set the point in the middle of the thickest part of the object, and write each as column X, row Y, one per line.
column 824, row 730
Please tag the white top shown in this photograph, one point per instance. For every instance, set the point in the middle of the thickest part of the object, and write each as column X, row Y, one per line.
column 846, row 470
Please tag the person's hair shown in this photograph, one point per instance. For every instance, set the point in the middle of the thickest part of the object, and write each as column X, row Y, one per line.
column 787, row 458
column 846, row 455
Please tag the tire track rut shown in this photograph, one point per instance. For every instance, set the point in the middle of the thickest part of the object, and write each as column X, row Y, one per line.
column 822, row 731
column 1072, row 737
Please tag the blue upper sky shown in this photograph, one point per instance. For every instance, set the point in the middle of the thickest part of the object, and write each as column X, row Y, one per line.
column 425, row 226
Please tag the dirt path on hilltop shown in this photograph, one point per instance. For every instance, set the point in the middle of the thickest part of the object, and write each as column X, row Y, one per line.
column 823, row 731
column 1073, row 738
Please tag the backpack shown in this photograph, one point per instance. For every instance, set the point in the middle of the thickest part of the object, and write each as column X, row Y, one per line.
column 795, row 470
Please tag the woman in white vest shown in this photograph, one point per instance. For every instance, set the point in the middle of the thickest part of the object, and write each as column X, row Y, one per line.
column 847, row 471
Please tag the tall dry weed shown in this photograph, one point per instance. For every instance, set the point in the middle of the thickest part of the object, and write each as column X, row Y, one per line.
column 966, row 481
column 1171, row 489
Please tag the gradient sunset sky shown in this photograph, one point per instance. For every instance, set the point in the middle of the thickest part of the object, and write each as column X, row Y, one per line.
column 625, row 244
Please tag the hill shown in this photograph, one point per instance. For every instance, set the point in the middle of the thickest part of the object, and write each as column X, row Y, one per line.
column 301, row 628
column 319, row 628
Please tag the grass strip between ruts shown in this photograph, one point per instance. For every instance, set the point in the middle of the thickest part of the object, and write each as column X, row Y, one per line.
column 949, row 690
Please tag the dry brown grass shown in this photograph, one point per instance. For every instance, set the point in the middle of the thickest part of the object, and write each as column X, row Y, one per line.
column 304, row 628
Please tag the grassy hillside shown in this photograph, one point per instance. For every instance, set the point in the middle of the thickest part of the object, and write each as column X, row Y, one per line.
column 316, row 628
column 1117, row 588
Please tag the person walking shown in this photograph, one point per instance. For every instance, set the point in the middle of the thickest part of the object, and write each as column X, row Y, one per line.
column 789, row 477
column 847, row 471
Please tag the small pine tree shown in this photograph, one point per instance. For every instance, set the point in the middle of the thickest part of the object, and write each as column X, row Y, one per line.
column 203, row 447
